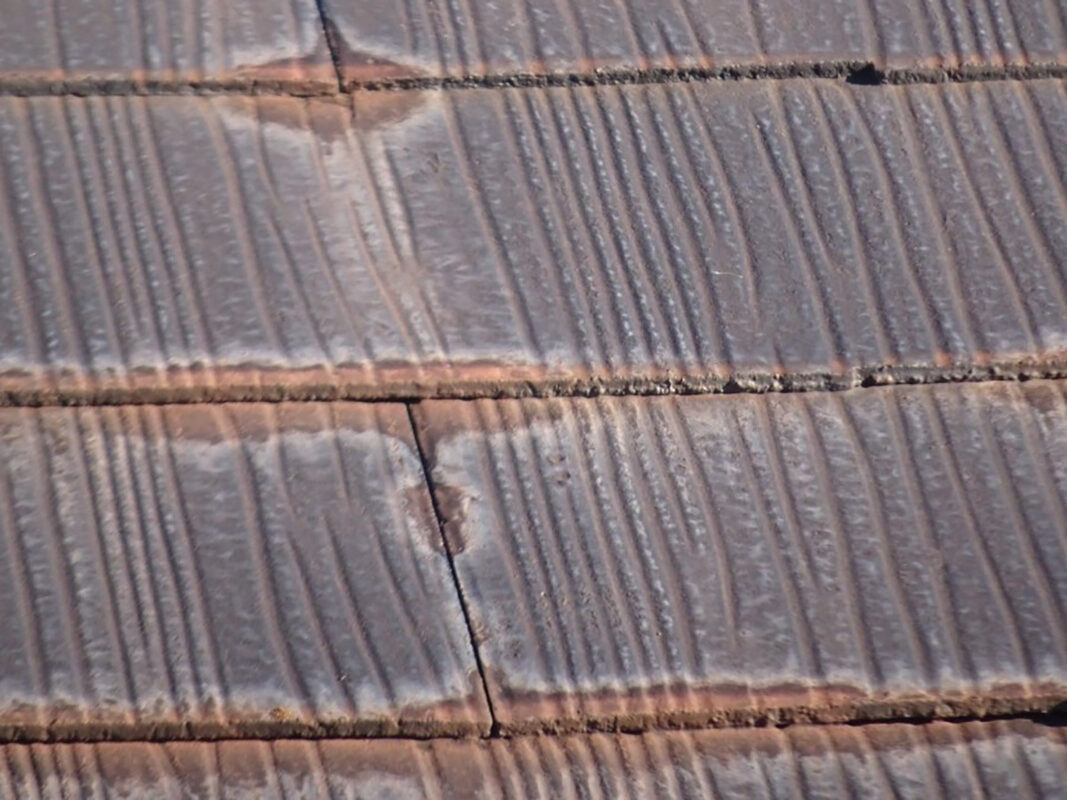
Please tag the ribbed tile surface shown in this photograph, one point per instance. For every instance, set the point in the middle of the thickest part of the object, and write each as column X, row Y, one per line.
column 173, row 42
column 381, row 41
column 825, row 556
column 224, row 570
column 904, row 762
column 473, row 237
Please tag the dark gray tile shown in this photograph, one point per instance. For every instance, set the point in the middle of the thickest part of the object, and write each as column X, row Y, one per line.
column 234, row 247
column 786, row 557
column 224, row 570
column 236, row 43
column 382, row 41
column 904, row 762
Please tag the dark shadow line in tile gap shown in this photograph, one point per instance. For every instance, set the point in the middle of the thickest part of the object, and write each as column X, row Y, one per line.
column 494, row 728
column 1053, row 717
column 283, row 390
column 863, row 73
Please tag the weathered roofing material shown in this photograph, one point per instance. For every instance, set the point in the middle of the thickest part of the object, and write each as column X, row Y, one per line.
column 380, row 41
column 480, row 241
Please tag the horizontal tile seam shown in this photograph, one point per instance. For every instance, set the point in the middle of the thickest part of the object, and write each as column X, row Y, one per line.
column 854, row 72
column 281, row 391
column 1056, row 717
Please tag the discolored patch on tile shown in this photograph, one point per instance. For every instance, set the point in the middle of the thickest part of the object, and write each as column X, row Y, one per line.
column 383, row 41
column 225, row 571
column 490, row 241
column 882, row 553
column 905, row 762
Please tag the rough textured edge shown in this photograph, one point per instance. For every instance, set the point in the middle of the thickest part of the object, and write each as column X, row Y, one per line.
column 850, row 71
column 784, row 707
column 476, row 381
column 609, row 75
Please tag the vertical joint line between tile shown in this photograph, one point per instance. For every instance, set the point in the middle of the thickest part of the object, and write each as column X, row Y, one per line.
column 329, row 31
column 494, row 730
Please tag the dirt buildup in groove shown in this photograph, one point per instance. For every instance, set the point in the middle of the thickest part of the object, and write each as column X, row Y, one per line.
column 405, row 79
column 1041, row 709
column 460, row 382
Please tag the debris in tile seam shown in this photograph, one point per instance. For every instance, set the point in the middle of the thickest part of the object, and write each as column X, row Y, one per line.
column 581, row 518
column 739, row 267
column 902, row 761
column 283, row 390
column 851, row 72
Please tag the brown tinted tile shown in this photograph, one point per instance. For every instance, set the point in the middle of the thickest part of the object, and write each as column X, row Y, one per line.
column 695, row 559
column 381, row 41
column 224, row 570
column 171, row 42
column 686, row 232
column 905, row 762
